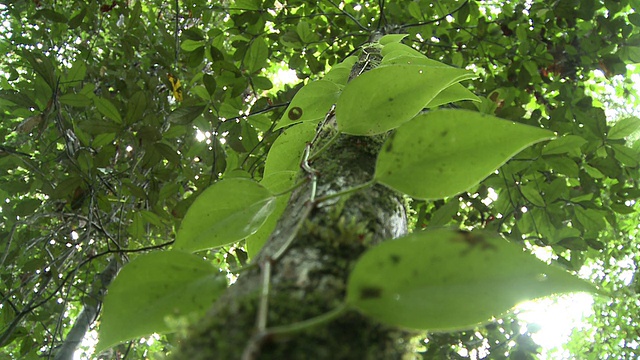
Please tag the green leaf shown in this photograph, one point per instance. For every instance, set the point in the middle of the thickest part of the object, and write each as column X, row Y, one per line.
column 566, row 144
column 392, row 38
column 77, row 100
column 406, row 57
column 77, row 72
column 76, row 20
column 593, row 172
column 186, row 114
column 261, row 82
column 103, row 139
column 634, row 18
column 415, row 11
column 276, row 183
column 106, row 108
column 247, row 4
column 18, row 98
column 209, row 83
column 42, row 66
column 201, row 92
column 563, row 165
column 531, row 193
column 136, row 107
column 192, row 45
column 589, row 218
column 445, row 152
column 394, row 49
column 311, row 103
column 153, row 287
column 305, row 33
column 624, row 128
column 256, row 57
column 339, row 74
column 630, row 54
column 386, row 97
column 52, row 15
column 227, row 211
column 286, row 151
column 627, row 156
column 26, row 207
column 445, row 280
column 445, row 214
column 453, row 93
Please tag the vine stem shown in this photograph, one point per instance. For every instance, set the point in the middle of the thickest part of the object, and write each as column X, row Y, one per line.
column 325, row 146
column 346, row 192
column 295, row 186
column 309, row 323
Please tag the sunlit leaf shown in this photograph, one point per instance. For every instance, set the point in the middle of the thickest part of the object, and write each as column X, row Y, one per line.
column 152, row 288
column 339, row 74
column 624, row 128
column 386, row 97
column 227, row 211
column 396, row 48
column 311, row 103
column 277, row 182
column 192, row 45
column 453, row 93
column 448, row 280
column 305, row 32
column 445, row 152
column 286, row 152
column 389, row 38
column 565, row 144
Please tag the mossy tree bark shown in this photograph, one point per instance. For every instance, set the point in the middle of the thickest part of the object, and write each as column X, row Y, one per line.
column 309, row 278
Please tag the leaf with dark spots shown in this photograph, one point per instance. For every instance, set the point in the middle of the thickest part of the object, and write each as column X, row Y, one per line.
column 295, row 113
column 370, row 293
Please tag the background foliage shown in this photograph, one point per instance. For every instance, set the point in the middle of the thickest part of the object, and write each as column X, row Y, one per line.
column 103, row 152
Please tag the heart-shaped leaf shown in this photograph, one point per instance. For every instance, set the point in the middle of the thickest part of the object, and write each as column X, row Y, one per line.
column 286, row 152
column 444, row 280
column 386, row 97
column 445, row 152
column 151, row 288
column 228, row 211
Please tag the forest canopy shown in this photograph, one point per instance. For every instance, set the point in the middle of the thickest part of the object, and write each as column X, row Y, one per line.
column 117, row 115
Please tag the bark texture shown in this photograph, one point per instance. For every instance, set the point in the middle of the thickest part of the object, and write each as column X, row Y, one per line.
column 309, row 279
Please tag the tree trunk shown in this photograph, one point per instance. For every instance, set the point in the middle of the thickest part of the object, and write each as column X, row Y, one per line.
column 321, row 241
column 89, row 313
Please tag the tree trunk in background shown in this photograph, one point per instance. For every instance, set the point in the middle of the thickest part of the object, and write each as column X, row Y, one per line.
column 90, row 311
column 309, row 279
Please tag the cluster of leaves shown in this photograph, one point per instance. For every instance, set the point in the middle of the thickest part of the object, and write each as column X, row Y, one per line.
column 391, row 282
column 99, row 156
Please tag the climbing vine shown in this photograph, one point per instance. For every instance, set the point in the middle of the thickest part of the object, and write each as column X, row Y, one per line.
column 430, row 153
